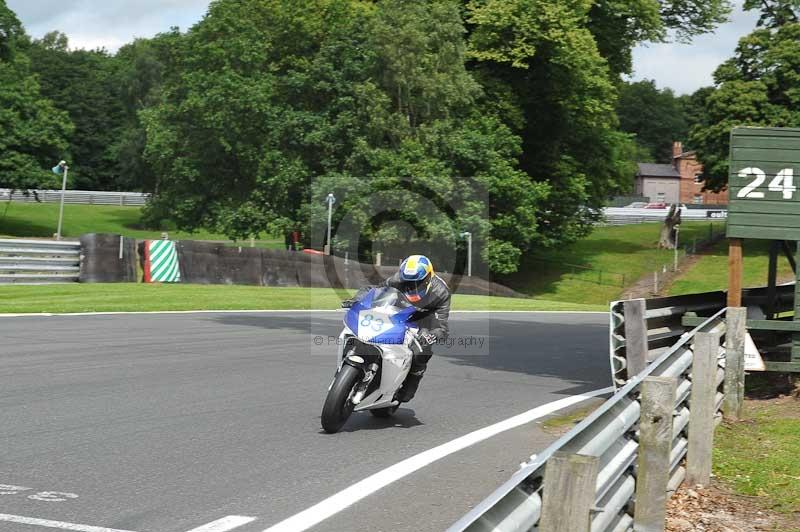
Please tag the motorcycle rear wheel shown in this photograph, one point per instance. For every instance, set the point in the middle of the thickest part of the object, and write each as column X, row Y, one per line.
column 338, row 407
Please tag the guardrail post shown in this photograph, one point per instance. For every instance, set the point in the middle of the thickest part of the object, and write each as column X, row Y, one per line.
column 736, row 332
column 702, row 406
column 636, row 347
column 655, row 446
column 569, row 493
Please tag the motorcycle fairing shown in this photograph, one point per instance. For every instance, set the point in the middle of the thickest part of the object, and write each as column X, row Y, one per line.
column 385, row 324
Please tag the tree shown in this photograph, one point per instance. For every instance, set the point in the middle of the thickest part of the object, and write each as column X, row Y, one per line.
column 81, row 83
column 619, row 25
column 545, row 77
column 10, row 32
column 271, row 107
column 32, row 132
column 655, row 116
column 759, row 86
column 139, row 71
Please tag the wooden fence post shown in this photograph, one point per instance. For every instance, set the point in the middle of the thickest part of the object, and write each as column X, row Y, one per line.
column 569, row 493
column 655, row 447
column 736, row 332
column 702, row 406
column 735, row 272
column 636, row 347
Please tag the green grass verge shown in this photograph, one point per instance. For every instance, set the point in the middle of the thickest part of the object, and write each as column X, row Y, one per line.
column 39, row 220
column 759, row 456
column 154, row 297
column 710, row 272
column 612, row 252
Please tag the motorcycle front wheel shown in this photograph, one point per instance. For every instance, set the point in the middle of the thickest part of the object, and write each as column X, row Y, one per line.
column 338, row 406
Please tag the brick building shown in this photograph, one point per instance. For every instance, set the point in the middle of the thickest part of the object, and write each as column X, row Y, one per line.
column 679, row 182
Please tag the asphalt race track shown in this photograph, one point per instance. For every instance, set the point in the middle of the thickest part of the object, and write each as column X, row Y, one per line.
column 172, row 422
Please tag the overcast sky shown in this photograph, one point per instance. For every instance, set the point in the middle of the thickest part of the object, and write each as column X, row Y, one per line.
column 112, row 23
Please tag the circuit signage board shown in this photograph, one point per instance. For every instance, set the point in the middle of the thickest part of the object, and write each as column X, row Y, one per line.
column 763, row 184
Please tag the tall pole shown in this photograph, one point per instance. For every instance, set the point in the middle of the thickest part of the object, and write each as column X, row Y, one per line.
column 469, row 254
column 63, row 191
column 468, row 236
column 331, row 200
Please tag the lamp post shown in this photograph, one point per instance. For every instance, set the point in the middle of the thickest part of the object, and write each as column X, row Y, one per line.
column 331, row 200
column 468, row 236
column 61, row 169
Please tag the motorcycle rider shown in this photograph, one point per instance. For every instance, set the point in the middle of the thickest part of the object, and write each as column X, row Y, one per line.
column 431, row 296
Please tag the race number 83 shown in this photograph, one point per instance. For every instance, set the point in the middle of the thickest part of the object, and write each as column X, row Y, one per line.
column 782, row 182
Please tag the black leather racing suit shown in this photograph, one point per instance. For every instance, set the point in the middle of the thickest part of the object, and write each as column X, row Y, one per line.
column 433, row 313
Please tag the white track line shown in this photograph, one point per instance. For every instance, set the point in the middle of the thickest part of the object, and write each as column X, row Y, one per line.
column 56, row 524
column 224, row 524
column 349, row 496
column 56, row 314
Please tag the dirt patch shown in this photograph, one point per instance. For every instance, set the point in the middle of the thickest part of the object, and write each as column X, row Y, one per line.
column 645, row 287
column 715, row 509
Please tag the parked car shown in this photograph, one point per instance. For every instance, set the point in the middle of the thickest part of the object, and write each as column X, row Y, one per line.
column 656, row 205
column 636, row 205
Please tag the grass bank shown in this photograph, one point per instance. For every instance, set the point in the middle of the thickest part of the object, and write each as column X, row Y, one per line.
column 605, row 262
column 147, row 297
column 758, row 456
column 710, row 272
column 39, row 220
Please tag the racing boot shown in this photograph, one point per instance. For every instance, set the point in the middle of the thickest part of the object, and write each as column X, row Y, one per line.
column 409, row 388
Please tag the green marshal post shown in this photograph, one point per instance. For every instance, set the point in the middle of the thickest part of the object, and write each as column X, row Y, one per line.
column 765, row 204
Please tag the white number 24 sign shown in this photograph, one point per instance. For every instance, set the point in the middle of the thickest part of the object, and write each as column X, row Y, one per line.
column 782, row 182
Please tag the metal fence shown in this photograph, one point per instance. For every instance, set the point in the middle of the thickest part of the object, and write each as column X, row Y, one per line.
column 39, row 261
column 627, row 216
column 85, row 197
column 612, row 438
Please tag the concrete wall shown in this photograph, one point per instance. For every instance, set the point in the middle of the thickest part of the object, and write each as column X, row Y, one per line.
column 654, row 186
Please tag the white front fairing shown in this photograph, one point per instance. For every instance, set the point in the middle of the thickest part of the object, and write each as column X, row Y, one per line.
column 395, row 366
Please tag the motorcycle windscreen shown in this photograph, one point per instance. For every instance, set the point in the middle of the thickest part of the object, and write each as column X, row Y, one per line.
column 380, row 317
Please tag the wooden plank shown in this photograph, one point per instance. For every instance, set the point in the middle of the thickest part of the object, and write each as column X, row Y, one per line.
column 636, row 346
column 772, row 277
column 761, row 156
column 764, row 219
column 787, row 250
column 758, row 131
column 765, row 205
column 735, row 334
column 655, row 447
column 783, row 367
column 762, row 233
column 766, row 143
column 796, row 335
column 702, row 408
column 569, row 493
column 735, row 273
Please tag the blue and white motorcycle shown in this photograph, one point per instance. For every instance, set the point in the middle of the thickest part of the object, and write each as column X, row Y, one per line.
column 376, row 348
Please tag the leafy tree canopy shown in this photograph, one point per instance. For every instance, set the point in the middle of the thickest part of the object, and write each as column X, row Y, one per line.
column 655, row 116
column 758, row 86
column 32, row 131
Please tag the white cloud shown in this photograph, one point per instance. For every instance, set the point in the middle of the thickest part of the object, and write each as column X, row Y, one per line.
column 687, row 67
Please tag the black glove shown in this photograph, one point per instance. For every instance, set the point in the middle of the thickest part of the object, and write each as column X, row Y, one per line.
column 425, row 338
column 347, row 303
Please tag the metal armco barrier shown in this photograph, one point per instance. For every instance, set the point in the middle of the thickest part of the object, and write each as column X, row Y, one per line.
column 85, row 197
column 627, row 216
column 627, row 455
column 662, row 319
column 39, row 261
